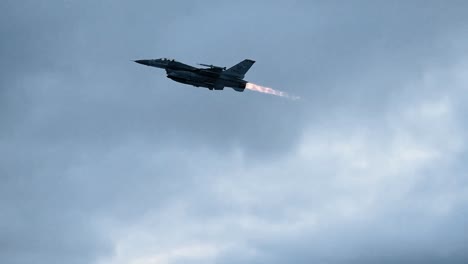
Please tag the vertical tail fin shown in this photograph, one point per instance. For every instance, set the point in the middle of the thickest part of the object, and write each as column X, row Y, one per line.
column 241, row 68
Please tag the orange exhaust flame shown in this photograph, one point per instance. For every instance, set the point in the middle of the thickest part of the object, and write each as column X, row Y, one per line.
column 267, row 90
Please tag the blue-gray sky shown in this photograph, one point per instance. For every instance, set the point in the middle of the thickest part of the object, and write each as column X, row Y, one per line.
column 106, row 161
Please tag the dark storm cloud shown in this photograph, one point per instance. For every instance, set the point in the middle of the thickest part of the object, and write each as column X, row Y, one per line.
column 93, row 47
column 89, row 137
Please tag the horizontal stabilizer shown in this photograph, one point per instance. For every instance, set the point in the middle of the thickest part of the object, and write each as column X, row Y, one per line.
column 238, row 89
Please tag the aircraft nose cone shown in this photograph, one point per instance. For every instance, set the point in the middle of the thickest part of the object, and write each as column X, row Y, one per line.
column 144, row 62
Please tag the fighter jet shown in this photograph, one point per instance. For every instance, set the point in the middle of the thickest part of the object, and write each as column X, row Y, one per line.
column 211, row 77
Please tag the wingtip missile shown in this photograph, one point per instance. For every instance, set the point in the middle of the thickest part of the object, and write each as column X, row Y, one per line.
column 211, row 66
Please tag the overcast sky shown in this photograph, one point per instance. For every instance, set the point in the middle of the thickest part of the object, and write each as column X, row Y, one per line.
column 103, row 160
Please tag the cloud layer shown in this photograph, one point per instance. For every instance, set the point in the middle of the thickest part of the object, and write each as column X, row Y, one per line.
column 105, row 161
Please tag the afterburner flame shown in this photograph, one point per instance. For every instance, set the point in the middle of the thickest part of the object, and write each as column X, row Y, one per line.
column 268, row 90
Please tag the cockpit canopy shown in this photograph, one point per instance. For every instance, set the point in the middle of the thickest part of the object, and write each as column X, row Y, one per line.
column 166, row 59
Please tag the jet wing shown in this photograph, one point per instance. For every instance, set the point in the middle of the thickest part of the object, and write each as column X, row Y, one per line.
column 209, row 72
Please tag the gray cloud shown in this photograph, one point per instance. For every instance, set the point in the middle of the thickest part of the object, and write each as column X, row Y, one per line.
column 106, row 161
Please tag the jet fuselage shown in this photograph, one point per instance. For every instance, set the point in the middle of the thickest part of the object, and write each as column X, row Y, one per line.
column 213, row 78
